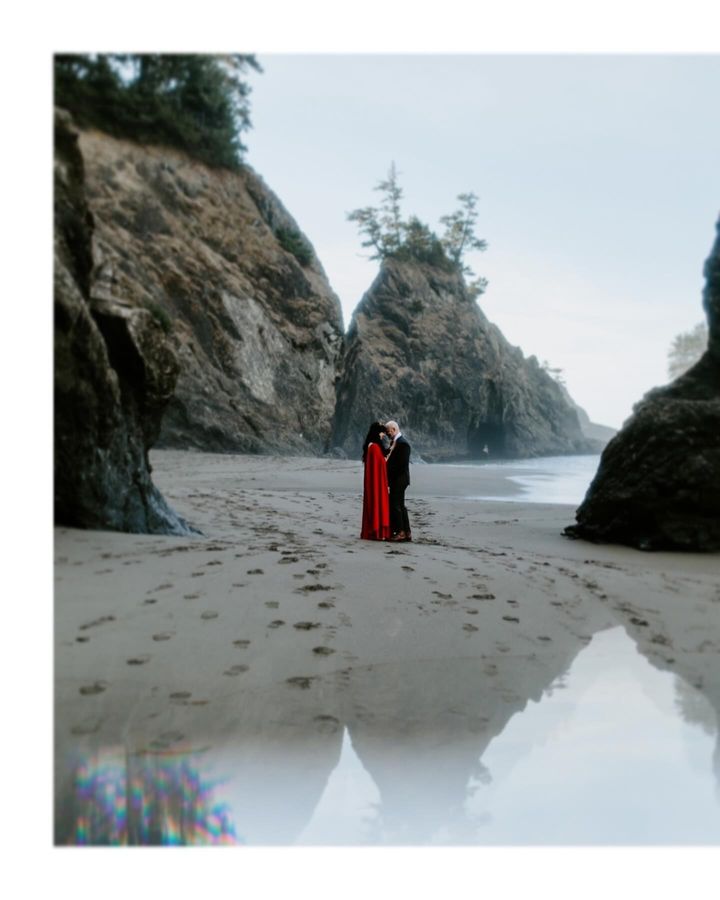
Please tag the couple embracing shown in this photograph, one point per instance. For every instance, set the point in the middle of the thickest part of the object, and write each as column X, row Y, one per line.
column 386, row 457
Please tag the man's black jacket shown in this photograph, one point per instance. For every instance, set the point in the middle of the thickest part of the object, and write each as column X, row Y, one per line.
column 398, row 463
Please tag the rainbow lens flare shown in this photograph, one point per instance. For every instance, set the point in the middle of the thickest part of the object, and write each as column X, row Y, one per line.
column 122, row 799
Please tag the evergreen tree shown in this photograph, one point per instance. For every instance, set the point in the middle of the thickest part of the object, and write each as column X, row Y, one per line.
column 460, row 237
column 389, row 235
column 553, row 372
column 383, row 227
column 193, row 101
column 390, row 220
column 423, row 245
column 686, row 349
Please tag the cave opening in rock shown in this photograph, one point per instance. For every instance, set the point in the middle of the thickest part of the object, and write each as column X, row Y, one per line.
column 486, row 440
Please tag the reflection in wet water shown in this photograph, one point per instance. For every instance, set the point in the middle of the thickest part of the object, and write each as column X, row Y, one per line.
column 601, row 758
column 583, row 742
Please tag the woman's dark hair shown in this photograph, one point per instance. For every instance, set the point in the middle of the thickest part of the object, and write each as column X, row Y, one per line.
column 372, row 437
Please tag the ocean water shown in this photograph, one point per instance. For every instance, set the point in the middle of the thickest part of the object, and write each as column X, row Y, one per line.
column 546, row 479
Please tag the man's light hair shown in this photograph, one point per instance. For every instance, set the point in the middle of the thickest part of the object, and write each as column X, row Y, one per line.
column 393, row 423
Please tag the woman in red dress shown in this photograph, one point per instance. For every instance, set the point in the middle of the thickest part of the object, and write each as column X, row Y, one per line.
column 376, row 504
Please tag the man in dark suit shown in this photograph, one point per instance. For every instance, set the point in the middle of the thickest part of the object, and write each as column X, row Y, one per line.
column 398, row 475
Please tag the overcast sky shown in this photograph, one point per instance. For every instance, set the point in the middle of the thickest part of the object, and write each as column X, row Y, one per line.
column 598, row 181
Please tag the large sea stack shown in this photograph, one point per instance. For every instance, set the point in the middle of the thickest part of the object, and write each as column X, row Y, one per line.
column 658, row 484
column 114, row 374
column 221, row 264
column 420, row 350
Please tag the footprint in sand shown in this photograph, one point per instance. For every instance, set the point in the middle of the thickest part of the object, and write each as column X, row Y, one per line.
column 407, row 568
column 181, row 695
column 326, row 724
column 149, row 601
column 511, row 619
column 163, row 636
column 306, row 626
column 243, row 644
column 481, row 596
column 443, row 596
column 288, row 559
column 167, row 739
column 97, row 687
column 468, row 627
column 162, row 587
column 89, row 726
column 255, row 572
column 209, row 614
column 138, row 660
column 272, row 604
column 301, row 681
column 326, row 604
column 82, row 640
column 276, row 624
column 236, row 670
column 544, row 637
column 310, row 588
column 101, row 621
column 323, row 651
column 191, row 596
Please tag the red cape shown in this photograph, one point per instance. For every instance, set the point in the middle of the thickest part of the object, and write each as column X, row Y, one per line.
column 376, row 504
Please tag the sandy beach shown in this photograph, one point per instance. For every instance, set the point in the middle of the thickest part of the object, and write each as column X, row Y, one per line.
column 236, row 668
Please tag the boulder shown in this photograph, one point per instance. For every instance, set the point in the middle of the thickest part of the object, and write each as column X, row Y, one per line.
column 420, row 350
column 658, row 483
column 114, row 374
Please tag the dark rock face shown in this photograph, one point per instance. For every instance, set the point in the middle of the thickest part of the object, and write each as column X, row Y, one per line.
column 255, row 327
column 114, row 373
column 419, row 350
column 658, row 484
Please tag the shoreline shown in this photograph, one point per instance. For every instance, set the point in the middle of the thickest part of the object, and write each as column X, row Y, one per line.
column 277, row 631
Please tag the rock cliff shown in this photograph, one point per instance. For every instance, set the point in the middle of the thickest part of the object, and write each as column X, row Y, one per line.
column 219, row 262
column 420, row 350
column 658, row 483
column 114, row 374
column 600, row 433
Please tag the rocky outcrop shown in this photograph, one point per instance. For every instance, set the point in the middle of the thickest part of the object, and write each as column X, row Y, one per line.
column 223, row 267
column 592, row 430
column 658, row 484
column 114, row 374
column 420, row 350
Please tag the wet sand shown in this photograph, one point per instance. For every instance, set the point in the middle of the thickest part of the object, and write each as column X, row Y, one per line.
column 262, row 642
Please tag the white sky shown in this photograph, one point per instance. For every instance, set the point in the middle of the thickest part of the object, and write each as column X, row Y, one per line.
column 598, row 180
